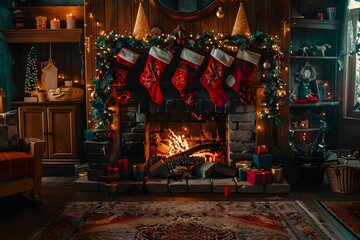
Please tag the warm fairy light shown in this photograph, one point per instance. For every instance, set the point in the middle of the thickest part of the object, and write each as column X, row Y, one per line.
column 304, row 137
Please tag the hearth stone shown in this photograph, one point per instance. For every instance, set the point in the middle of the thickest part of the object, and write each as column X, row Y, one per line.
column 246, row 187
column 131, row 186
column 84, row 184
column 178, row 186
column 200, row 185
column 157, row 185
column 192, row 186
column 220, row 184
column 282, row 187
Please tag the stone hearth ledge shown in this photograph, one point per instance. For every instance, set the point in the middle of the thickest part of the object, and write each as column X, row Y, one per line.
column 155, row 185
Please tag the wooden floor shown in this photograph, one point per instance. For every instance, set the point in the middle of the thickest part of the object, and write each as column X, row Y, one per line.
column 19, row 216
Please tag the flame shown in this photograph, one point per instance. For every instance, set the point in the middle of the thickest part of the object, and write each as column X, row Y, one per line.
column 177, row 143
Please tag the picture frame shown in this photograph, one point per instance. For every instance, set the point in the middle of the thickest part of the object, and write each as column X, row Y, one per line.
column 323, row 90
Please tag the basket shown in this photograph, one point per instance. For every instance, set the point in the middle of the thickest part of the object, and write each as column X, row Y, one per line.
column 343, row 179
column 110, row 177
column 65, row 94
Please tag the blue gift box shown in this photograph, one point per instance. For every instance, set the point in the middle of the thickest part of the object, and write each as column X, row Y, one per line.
column 243, row 174
column 262, row 161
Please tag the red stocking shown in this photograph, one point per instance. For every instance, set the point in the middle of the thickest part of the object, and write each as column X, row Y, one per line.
column 213, row 77
column 124, row 60
column 239, row 79
column 182, row 79
column 154, row 68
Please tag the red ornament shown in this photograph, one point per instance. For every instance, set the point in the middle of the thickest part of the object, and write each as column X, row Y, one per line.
column 110, row 101
column 111, row 135
column 262, row 150
column 255, row 43
column 101, row 75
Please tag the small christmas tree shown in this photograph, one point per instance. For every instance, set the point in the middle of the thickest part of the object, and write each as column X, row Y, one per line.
column 31, row 71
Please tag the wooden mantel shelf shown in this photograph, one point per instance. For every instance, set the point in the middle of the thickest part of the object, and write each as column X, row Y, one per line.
column 43, row 35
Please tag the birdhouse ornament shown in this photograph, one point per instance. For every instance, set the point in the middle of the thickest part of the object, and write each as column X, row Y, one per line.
column 49, row 75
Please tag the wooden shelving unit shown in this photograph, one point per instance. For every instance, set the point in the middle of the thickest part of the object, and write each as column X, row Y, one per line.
column 43, row 35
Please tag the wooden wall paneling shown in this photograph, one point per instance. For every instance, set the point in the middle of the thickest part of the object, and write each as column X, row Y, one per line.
column 110, row 16
column 261, row 16
column 209, row 23
column 283, row 133
column 252, row 17
column 223, row 23
column 153, row 17
column 100, row 18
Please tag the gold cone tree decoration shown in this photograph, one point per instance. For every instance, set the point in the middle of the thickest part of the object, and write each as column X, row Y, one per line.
column 141, row 28
column 241, row 25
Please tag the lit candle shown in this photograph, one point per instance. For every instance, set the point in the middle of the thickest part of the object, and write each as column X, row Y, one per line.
column 70, row 21
column 55, row 24
column 41, row 22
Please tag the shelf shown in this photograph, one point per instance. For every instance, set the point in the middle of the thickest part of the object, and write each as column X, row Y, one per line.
column 317, row 104
column 314, row 57
column 304, row 129
column 43, row 36
column 314, row 24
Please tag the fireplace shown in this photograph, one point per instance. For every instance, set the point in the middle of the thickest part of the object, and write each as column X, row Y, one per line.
column 221, row 137
column 144, row 127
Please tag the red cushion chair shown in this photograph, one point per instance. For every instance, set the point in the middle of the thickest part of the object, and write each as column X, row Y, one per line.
column 21, row 171
column 20, row 159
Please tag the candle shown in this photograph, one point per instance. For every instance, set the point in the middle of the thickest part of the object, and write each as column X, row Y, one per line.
column 41, row 22
column 227, row 191
column 70, row 21
column 123, row 164
column 55, row 24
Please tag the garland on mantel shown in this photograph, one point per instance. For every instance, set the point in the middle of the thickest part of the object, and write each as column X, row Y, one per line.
column 109, row 45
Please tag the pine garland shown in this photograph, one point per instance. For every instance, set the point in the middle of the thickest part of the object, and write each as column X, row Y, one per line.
column 110, row 44
column 31, row 71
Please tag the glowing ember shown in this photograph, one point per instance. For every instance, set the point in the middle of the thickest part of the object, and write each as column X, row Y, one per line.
column 177, row 143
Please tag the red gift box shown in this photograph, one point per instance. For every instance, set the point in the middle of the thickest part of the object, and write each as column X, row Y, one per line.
column 123, row 164
column 258, row 177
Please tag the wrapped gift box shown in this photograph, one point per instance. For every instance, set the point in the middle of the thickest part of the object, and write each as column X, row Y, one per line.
column 243, row 174
column 262, row 161
column 258, row 177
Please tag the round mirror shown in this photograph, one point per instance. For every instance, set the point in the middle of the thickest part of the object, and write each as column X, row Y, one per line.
column 185, row 9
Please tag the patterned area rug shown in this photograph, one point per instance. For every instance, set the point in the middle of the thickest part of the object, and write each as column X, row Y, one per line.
column 184, row 220
column 347, row 213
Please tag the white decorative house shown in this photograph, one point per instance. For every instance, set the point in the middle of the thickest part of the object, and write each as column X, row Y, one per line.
column 49, row 75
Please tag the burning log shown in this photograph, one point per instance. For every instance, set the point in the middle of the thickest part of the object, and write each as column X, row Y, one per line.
column 198, row 149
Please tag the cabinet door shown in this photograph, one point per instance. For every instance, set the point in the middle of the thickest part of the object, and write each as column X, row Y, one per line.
column 33, row 123
column 62, row 132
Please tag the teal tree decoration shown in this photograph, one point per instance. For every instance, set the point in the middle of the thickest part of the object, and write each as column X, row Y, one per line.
column 110, row 43
column 6, row 18
column 31, row 71
column 7, row 62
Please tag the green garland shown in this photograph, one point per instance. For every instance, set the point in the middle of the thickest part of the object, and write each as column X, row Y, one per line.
column 110, row 44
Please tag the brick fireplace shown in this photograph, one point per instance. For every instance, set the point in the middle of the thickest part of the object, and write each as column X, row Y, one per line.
column 234, row 121
column 144, row 130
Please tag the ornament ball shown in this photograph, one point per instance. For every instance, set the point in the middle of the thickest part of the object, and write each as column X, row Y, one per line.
column 281, row 93
column 93, row 94
column 266, row 64
column 220, row 13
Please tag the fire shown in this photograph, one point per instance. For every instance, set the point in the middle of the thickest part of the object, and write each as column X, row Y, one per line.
column 177, row 143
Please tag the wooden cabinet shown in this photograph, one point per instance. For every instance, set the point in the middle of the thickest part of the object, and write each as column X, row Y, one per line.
column 59, row 124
